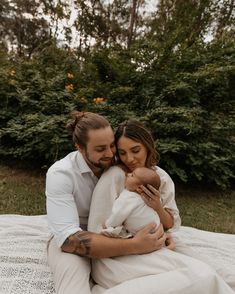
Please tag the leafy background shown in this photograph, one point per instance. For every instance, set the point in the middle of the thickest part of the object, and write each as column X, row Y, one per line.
column 172, row 68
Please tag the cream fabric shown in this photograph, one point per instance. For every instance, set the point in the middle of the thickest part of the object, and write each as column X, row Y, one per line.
column 130, row 210
column 165, row 271
column 110, row 186
column 208, row 247
column 71, row 273
column 23, row 257
column 167, row 192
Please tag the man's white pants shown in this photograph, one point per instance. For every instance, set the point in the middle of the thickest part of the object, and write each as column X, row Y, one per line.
column 71, row 272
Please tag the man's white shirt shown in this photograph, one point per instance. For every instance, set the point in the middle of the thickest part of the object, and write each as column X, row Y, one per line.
column 69, row 187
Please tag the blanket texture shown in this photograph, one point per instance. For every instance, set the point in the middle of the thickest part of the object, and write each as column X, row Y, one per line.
column 23, row 257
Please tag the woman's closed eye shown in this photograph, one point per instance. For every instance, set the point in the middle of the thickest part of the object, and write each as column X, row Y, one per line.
column 136, row 149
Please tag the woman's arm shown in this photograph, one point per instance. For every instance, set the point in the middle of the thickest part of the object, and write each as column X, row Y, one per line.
column 94, row 245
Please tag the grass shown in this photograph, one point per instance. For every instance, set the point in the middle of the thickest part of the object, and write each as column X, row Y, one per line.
column 22, row 192
column 210, row 210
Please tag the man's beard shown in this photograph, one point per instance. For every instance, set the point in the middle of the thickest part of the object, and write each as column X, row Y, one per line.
column 98, row 164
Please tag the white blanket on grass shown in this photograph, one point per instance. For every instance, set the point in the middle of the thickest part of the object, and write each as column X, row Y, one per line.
column 23, row 257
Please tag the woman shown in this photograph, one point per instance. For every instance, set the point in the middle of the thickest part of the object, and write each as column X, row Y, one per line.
column 163, row 271
column 135, row 147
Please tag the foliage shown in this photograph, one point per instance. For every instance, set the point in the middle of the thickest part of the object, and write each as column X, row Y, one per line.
column 158, row 68
column 25, row 25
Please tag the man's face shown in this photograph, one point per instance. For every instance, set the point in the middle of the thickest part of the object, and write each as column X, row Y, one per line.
column 100, row 148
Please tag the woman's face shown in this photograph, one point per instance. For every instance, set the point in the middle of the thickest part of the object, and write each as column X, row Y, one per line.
column 132, row 153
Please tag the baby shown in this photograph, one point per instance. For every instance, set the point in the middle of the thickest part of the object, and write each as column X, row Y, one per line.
column 130, row 213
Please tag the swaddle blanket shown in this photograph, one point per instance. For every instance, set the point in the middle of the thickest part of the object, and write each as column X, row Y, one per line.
column 23, row 256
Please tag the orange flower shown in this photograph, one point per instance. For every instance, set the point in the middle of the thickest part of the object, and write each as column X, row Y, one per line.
column 70, row 75
column 12, row 72
column 69, row 87
column 98, row 100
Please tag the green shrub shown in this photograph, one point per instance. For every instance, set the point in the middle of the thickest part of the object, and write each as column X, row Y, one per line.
column 188, row 103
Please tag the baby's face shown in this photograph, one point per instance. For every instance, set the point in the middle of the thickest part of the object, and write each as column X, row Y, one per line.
column 132, row 181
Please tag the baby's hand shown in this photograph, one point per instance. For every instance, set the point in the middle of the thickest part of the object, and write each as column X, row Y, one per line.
column 169, row 242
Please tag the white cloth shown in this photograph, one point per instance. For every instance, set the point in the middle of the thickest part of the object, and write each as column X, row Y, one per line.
column 71, row 273
column 167, row 192
column 130, row 210
column 163, row 271
column 196, row 243
column 110, row 186
column 23, row 256
column 172, row 272
column 69, row 187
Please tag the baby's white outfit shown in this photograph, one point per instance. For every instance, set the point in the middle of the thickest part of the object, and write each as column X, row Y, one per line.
column 129, row 211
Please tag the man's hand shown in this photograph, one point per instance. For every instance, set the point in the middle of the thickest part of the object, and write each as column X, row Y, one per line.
column 149, row 239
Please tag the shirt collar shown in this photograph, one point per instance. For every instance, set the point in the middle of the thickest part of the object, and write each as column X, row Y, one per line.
column 82, row 164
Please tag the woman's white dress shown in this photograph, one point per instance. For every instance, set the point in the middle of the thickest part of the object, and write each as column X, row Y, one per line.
column 163, row 271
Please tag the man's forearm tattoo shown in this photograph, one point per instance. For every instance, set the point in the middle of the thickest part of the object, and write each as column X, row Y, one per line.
column 78, row 243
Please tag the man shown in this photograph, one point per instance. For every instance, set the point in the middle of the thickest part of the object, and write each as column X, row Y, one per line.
column 69, row 186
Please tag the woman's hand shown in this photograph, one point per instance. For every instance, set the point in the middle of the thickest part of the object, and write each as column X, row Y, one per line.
column 151, row 196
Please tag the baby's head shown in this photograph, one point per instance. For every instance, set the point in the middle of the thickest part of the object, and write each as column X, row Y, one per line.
column 142, row 176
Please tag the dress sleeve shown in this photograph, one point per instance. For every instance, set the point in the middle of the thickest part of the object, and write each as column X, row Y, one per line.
column 167, row 192
column 108, row 188
column 122, row 208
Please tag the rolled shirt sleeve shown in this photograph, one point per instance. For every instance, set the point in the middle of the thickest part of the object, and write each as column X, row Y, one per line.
column 63, row 218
